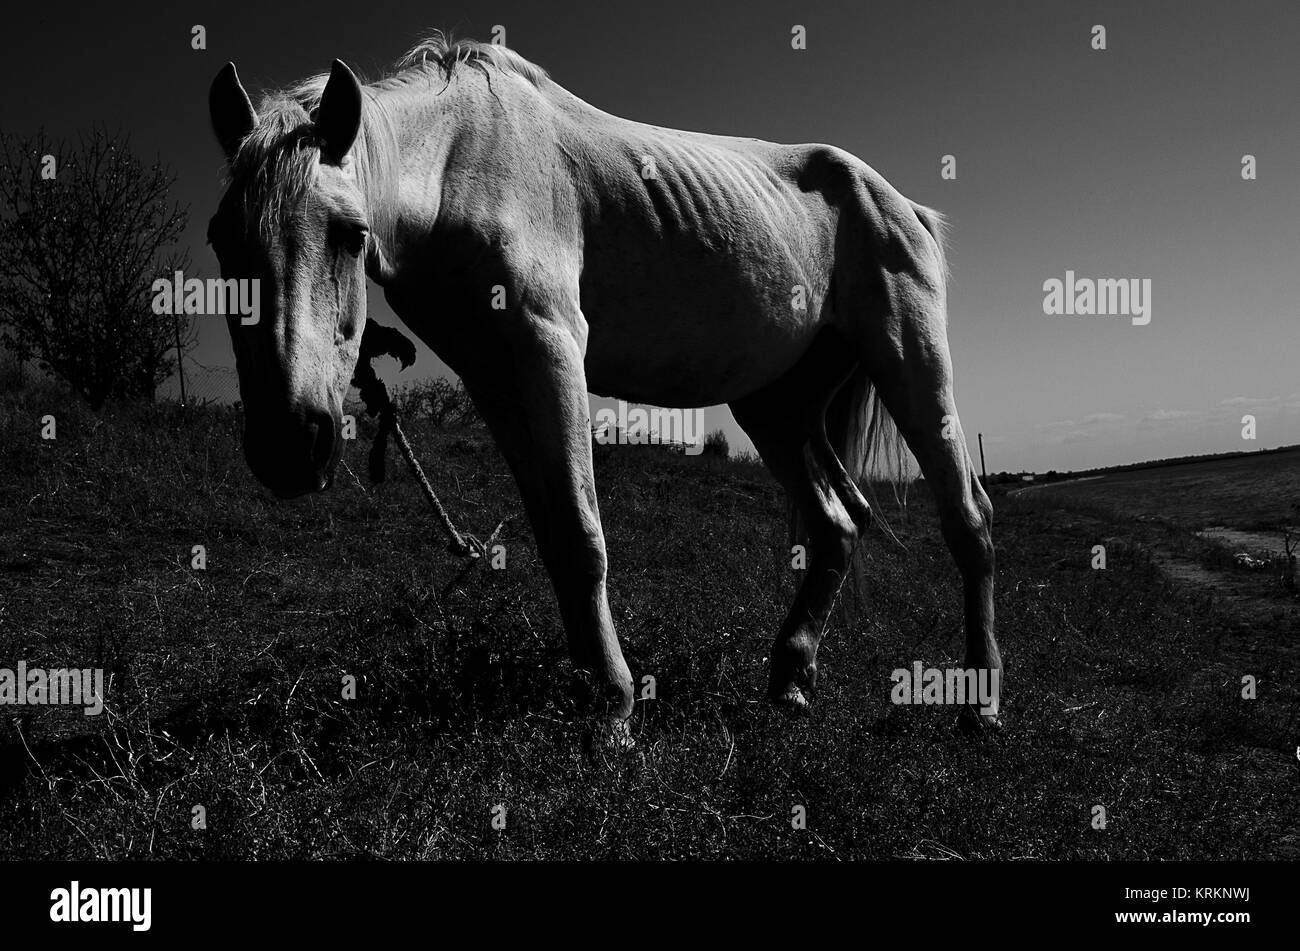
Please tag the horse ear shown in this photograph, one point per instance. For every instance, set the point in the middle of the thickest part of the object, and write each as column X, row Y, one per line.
column 233, row 115
column 338, row 119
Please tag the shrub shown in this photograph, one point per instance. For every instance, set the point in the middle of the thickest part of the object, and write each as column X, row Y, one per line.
column 715, row 444
column 440, row 401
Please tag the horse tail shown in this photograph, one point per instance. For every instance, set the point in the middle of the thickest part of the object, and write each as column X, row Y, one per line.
column 863, row 436
column 935, row 223
column 868, row 442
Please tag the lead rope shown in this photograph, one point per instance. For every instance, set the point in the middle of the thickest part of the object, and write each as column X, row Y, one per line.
column 378, row 402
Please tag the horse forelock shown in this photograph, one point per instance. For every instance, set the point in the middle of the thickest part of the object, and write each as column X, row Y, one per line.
column 273, row 169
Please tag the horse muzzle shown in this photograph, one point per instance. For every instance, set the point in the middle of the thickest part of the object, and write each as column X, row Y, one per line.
column 295, row 454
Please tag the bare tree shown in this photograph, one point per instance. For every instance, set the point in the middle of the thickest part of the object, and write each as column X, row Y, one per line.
column 84, row 231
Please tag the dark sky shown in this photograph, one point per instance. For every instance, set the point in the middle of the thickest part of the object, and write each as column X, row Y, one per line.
column 1119, row 163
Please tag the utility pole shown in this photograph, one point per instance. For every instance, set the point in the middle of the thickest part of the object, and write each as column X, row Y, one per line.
column 982, row 469
column 180, row 359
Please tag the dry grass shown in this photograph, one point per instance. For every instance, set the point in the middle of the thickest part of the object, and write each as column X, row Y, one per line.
column 226, row 683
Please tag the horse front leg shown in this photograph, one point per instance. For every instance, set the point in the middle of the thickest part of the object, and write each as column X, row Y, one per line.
column 546, row 437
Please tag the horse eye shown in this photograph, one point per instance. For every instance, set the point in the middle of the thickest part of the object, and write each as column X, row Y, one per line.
column 351, row 237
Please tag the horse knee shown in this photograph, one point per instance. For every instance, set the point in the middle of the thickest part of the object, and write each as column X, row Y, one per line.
column 592, row 564
column 983, row 557
column 969, row 533
column 582, row 558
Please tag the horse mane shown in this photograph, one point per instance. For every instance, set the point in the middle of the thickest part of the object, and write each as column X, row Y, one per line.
column 273, row 165
column 441, row 53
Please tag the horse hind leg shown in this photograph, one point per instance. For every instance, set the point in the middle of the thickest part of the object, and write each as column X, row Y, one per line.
column 911, row 369
column 787, row 425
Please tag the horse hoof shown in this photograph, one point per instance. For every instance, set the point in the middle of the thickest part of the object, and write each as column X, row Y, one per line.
column 791, row 700
column 610, row 735
column 974, row 723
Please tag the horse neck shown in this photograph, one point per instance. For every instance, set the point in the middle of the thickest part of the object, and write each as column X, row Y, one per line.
column 431, row 120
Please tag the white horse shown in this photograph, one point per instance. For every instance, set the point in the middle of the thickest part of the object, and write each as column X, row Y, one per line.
column 544, row 249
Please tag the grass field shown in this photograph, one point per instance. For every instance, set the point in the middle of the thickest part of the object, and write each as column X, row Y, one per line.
column 1252, row 493
column 1121, row 690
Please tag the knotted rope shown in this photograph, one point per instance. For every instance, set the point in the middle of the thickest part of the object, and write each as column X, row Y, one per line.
column 378, row 340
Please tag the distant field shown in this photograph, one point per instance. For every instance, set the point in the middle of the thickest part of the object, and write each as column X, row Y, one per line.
column 1250, row 492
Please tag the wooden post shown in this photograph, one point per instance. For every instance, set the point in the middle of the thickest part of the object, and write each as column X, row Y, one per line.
column 983, row 470
column 180, row 357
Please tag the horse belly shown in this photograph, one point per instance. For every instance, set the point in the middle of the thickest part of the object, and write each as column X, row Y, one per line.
column 699, row 323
